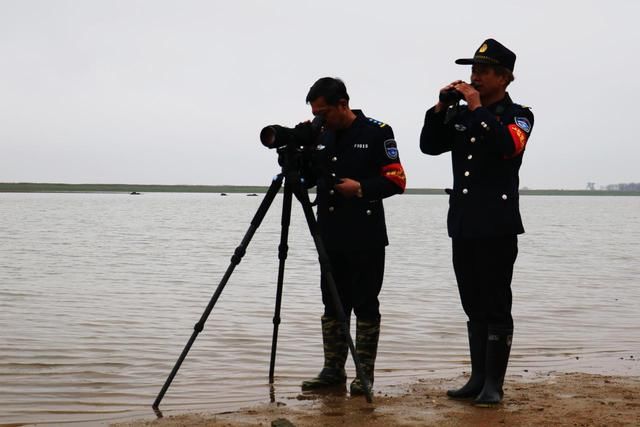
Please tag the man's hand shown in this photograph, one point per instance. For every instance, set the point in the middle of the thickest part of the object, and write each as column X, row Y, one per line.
column 349, row 188
column 471, row 95
column 441, row 106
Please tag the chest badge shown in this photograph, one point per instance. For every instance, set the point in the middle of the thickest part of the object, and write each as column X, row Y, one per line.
column 459, row 127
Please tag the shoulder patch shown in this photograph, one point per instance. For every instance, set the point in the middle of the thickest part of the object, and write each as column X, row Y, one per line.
column 523, row 124
column 376, row 122
column 391, row 148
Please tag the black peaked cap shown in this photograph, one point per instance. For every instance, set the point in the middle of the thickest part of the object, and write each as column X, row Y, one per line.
column 491, row 52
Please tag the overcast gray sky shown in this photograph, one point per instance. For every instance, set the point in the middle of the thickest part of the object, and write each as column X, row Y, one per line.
column 176, row 92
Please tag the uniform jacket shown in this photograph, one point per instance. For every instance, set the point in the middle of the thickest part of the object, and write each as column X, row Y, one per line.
column 365, row 152
column 486, row 147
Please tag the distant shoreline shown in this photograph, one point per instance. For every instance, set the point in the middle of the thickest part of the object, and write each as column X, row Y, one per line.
column 33, row 187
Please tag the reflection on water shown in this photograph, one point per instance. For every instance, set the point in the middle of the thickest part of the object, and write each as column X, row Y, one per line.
column 99, row 294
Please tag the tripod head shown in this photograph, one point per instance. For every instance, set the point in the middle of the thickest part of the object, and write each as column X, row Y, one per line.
column 306, row 162
column 301, row 153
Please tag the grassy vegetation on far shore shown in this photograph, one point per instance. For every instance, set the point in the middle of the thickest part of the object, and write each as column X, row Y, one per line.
column 36, row 187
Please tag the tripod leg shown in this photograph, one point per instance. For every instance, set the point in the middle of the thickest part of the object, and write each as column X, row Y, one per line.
column 282, row 255
column 303, row 196
column 235, row 260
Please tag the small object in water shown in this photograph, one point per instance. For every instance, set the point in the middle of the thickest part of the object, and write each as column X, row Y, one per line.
column 223, row 194
column 252, row 194
column 282, row 422
column 134, row 193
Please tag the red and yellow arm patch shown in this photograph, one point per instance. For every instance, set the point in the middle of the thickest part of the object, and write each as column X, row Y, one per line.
column 519, row 138
column 394, row 172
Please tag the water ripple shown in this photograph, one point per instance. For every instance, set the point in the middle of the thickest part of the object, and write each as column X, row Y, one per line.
column 99, row 294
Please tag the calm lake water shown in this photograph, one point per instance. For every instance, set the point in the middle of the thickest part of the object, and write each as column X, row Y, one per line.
column 99, row 294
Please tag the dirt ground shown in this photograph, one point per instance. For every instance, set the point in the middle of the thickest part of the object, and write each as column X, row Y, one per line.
column 574, row 399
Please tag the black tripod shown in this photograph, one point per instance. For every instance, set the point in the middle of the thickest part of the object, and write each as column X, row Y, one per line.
column 293, row 184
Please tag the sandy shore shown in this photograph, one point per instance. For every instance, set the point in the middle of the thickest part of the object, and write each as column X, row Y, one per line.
column 574, row 399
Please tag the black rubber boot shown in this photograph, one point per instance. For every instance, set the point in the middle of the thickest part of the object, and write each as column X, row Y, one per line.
column 478, row 350
column 335, row 355
column 367, row 334
column 498, row 349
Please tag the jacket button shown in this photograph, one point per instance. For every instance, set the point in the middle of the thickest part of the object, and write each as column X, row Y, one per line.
column 465, row 191
column 470, row 156
column 466, row 173
column 473, row 139
column 332, row 192
column 504, row 197
column 333, row 175
column 368, row 211
column 483, row 124
column 334, row 159
column 331, row 208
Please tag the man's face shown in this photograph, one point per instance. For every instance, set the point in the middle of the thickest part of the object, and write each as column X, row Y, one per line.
column 486, row 81
column 333, row 115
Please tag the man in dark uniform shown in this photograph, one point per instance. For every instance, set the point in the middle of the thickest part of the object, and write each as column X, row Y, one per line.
column 363, row 168
column 486, row 138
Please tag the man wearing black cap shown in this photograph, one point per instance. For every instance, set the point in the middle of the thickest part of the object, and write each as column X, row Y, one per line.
column 486, row 138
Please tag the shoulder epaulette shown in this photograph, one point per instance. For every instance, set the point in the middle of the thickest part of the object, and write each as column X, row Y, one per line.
column 376, row 122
